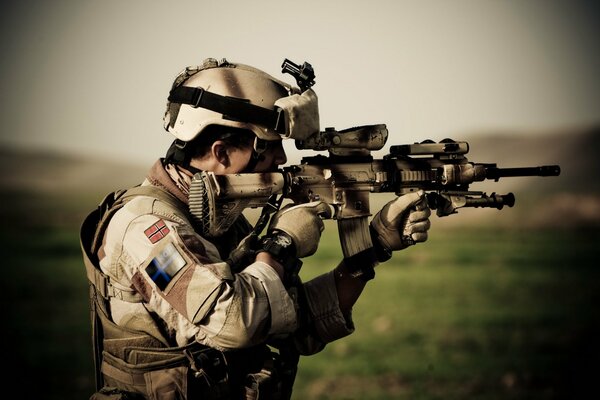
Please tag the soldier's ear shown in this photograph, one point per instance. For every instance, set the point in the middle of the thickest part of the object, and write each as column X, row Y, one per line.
column 219, row 153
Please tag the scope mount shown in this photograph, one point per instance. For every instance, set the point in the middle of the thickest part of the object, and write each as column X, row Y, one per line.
column 356, row 141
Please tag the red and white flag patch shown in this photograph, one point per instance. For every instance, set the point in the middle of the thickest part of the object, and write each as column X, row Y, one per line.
column 157, row 231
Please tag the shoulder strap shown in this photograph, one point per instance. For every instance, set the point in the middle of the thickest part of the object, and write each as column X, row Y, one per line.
column 156, row 192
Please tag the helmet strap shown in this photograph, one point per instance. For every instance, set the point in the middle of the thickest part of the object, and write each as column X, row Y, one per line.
column 259, row 147
column 233, row 108
column 178, row 154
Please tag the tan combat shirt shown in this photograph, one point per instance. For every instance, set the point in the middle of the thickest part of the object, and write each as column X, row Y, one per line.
column 189, row 293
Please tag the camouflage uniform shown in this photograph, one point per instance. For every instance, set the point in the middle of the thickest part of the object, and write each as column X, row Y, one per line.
column 172, row 289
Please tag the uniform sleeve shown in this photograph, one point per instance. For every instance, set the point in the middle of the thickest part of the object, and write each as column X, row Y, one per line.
column 328, row 320
column 250, row 309
column 182, row 280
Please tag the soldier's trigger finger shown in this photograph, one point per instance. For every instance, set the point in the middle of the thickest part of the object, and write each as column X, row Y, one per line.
column 319, row 208
column 397, row 209
column 422, row 204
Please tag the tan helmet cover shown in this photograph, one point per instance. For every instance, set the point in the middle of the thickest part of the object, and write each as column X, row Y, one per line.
column 301, row 114
column 240, row 81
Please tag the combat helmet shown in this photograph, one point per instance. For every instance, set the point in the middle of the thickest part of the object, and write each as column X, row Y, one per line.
column 220, row 93
column 225, row 94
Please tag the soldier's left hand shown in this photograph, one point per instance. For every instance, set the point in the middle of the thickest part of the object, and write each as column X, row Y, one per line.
column 304, row 223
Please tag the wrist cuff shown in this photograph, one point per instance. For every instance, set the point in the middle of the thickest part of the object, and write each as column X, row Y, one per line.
column 361, row 265
column 382, row 253
column 282, row 248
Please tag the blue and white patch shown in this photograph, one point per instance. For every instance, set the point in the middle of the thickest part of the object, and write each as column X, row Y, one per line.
column 165, row 266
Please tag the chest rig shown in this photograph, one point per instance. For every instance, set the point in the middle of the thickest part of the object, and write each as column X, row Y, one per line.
column 131, row 364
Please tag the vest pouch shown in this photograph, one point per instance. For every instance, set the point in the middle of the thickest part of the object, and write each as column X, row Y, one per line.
column 165, row 379
column 167, row 384
column 111, row 393
column 261, row 386
column 120, row 341
column 265, row 384
column 166, row 373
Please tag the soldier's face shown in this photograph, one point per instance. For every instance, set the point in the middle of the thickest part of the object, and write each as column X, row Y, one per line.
column 223, row 158
column 273, row 156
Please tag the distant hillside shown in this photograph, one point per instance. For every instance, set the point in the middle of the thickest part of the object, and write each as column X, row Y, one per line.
column 569, row 200
column 44, row 188
column 575, row 151
column 572, row 199
column 51, row 173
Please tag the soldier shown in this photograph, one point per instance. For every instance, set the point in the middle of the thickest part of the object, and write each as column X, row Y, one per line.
column 174, row 313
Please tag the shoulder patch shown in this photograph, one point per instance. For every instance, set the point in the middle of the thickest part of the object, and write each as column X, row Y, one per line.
column 157, row 231
column 165, row 266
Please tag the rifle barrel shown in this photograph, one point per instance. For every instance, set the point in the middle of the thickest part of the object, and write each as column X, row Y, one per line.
column 544, row 170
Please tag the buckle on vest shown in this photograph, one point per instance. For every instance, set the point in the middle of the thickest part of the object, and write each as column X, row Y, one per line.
column 209, row 365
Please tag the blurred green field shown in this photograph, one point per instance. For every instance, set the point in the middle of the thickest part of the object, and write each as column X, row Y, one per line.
column 477, row 313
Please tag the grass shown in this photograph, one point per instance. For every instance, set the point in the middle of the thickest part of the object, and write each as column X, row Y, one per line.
column 482, row 313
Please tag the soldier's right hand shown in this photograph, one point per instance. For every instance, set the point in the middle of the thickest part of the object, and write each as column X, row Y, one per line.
column 303, row 223
column 403, row 221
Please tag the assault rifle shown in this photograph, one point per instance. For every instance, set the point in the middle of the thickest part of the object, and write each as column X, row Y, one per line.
column 348, row 175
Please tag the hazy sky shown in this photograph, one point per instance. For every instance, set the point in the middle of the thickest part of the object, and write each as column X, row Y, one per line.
column 92, row 76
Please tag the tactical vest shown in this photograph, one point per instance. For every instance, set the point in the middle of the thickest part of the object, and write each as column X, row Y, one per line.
column 134, row 365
